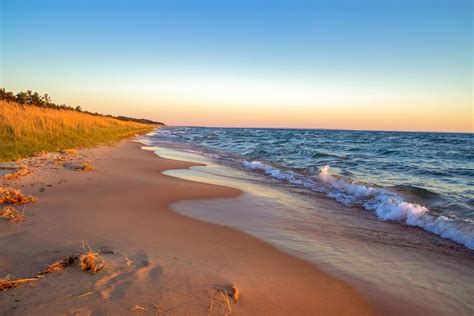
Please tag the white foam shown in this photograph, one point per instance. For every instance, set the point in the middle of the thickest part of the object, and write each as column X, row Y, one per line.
column 269, row 170
column 387, row 205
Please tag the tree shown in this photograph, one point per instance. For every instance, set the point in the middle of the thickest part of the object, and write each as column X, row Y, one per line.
column 36, row 99
column 21, row 97
column 29, row 97
column 6, row 96
column 47, row 99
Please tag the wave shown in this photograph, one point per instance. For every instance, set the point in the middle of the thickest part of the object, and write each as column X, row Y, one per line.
column 386, row 204
column 416, row 191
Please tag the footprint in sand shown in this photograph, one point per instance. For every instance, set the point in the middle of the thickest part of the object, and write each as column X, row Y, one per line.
column 124, row 272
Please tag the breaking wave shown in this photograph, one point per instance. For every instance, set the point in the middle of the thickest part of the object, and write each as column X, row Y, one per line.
column 386, row 204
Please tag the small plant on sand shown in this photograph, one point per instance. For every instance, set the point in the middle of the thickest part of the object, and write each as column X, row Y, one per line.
column 13, row 196
column 9, row 213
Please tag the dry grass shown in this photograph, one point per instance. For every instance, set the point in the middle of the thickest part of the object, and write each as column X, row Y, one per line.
column 20, row 173
column 41, row 154
column 9, row 213
column 138, row 309
column 90, row 261
column 235, row 294
column 6, row 284
column 60, row 265
column 226, row 299
column 86, row 166
column 29, row 130
column 13, row 196
column 70, row 151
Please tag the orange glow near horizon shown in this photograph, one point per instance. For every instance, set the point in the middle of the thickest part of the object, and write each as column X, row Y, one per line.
column 222, row 101
column 266, row 103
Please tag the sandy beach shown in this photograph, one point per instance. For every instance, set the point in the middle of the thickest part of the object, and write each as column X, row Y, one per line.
column 154, row 258
column 236, row 158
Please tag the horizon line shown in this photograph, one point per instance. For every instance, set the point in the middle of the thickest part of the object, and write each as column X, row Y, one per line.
column 324, row 129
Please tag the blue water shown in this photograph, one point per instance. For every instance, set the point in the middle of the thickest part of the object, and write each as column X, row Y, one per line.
column 417, row 179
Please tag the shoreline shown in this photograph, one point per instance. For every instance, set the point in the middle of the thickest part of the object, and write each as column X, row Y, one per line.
column 161, row 260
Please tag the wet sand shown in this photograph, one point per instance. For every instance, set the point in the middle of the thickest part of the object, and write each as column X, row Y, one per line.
column 155, row 258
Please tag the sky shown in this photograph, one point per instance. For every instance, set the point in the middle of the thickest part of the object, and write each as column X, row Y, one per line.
column 360, row 64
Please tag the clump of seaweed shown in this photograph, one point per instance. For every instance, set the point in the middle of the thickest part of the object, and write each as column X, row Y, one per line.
column 13, row 196
column 6, row 284
column 9, row 213
column 23, row 171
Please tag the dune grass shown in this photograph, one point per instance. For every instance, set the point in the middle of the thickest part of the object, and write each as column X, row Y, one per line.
column 27, row 130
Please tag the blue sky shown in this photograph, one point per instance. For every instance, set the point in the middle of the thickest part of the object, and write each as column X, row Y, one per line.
column 101, row 54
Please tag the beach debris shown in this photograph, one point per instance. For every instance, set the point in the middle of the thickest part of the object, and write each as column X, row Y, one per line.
column 86, row 166
column 85, row 294
column 60, row 265
column 11, row 214
column 23, row 171
column 225, row 294
column 6, row 284
column 83, row 166
column 59, row 161
column 14, row 196
column 89, row 261
column 235, row 294
column 138, row 309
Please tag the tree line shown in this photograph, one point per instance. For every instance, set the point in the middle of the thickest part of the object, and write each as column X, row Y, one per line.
column 35, row 99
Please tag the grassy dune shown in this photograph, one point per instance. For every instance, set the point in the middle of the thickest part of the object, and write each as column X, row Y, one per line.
column 26, row 130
